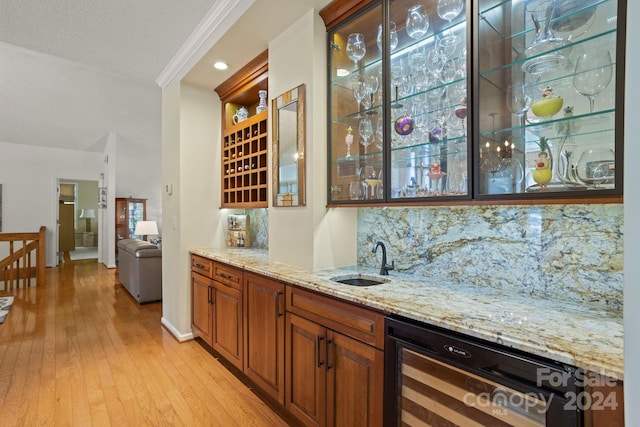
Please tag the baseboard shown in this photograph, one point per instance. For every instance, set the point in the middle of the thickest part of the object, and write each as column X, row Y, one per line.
column 180, row 337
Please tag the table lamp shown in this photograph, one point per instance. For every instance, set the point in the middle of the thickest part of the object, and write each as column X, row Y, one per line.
column 87, row 214
column 146, row 228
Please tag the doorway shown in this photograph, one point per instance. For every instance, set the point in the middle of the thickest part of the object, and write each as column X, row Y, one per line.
column 78, row 220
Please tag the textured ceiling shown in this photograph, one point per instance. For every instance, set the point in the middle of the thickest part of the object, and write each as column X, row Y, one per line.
column 136, row 38
column 73, row 71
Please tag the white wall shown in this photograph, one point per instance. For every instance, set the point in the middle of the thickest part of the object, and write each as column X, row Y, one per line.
column 323, row 238
column 173, row 266
column 631, row 223
column 191, row 165
column 139, row 174
column 107, row 245
column 29, row 175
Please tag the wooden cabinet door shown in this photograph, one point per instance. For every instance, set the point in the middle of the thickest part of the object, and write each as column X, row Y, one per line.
column 355, row 373
column 201, row 294
column 264, row 333
column 66, row 232
column 121, row 212
column 227, row 323
column 305, row 370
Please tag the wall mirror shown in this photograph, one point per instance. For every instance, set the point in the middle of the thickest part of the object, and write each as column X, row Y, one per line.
column 288, row 148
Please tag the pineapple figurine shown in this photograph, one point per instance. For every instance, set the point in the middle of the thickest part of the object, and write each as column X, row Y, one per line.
column 542, row 173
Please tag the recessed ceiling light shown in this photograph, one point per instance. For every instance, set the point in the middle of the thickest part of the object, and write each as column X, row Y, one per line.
column 219, row 65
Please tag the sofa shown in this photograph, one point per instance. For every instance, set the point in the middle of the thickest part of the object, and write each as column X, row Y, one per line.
column 140, row 269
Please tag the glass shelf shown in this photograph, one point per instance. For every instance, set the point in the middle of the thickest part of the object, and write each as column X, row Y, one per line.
column 584, row 124
column 601, row 40
column 493, row 16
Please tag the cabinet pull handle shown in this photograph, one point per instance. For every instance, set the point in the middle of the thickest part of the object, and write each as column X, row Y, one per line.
column 326, row 354
column 320, row 362
column 278, row 312
column 225, row 276
column 209, row 294
column 199, row 265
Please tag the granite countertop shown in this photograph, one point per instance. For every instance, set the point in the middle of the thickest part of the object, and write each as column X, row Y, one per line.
column 580, row 335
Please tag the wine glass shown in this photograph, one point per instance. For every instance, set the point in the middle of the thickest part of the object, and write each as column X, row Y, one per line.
column 374, row 85
column 379, row 133
column 397, row 79
column 360, row 90
column 393, row 36
column 365, row 129
column 417, row 22
column 449, row 71
column 356, row 48
column 518, row 101
column 592, row 74
column 371, row 178
column 449, row 10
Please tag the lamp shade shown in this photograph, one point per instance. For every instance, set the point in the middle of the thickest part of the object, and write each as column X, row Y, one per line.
column 87, row 213
column 144, row 228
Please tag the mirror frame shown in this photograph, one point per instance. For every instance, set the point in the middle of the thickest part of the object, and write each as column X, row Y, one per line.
column 295, row 95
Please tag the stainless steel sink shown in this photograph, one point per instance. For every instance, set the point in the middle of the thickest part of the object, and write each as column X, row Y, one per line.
column 359, row 280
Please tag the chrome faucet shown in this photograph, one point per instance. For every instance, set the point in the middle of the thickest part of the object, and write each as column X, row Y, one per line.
column 384, row 269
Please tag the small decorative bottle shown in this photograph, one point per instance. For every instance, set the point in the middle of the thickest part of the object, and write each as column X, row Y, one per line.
column 348, row 140
column 262, row 105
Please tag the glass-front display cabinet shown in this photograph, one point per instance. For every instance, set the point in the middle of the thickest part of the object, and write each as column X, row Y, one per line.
column 446, row 100
column 398, row 103
column 549, row 101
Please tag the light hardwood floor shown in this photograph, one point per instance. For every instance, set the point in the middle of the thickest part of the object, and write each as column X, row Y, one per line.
column 81, row 352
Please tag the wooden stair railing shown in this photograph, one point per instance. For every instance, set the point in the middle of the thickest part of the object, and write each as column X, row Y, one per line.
column 17, row 265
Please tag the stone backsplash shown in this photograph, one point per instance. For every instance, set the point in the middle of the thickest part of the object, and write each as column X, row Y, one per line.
column 569, row 252
column 259, row 223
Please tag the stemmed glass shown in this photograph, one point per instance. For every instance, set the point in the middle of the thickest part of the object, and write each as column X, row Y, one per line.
column 372, row 180
column 397, row 79
column 417, row 22
column 449, row 10
column 379, row 134
column 440, row 112
column 373, row 85
column 360, row 90
column 356, row 48
column 518, row 101
column 592, row 74
column 393, row 36
column 365, row 129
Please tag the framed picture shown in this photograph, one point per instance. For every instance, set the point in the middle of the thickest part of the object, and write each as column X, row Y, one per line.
column 102, row 197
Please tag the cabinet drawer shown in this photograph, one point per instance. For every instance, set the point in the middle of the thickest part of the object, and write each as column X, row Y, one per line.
column 352, row 320
column 202, row 265
column 230, row 276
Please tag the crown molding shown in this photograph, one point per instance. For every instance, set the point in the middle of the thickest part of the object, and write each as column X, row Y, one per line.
column 210, row 29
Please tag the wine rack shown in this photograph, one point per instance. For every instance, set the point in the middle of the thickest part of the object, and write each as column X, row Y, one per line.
column 244, row 163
